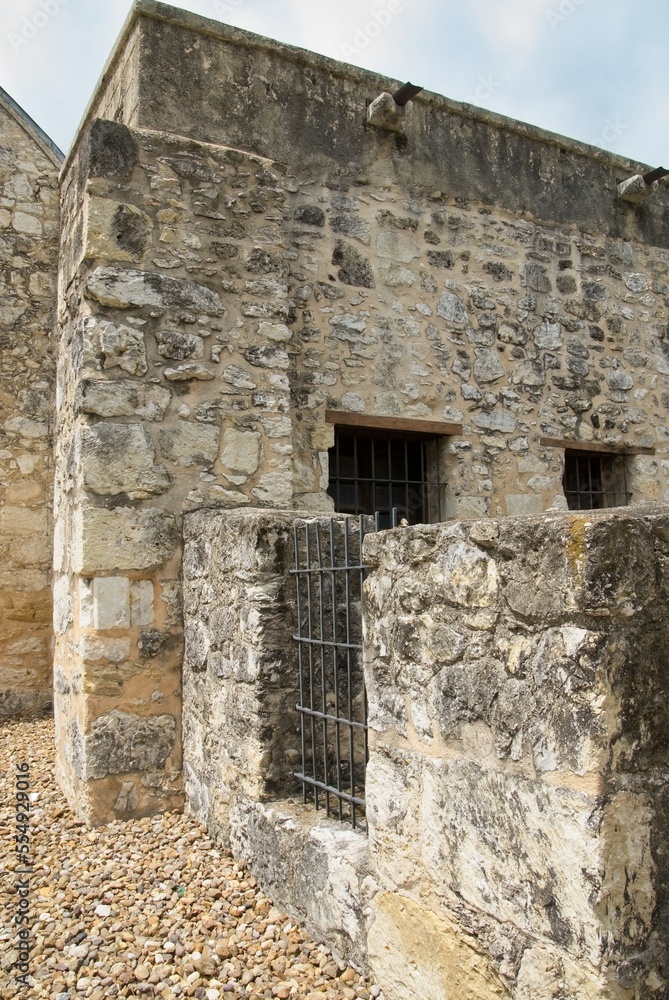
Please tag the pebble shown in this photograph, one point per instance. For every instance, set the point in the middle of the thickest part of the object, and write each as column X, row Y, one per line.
column 149, row 908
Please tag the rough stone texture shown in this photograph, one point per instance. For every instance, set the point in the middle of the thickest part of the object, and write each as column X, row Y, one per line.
column 238, row 669
column 517, row 677
column 28, row 256
column 241, row 731
column 227, row 286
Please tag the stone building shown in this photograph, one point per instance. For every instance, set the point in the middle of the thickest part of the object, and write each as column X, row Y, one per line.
column 29, row 212
column 251, row 273
column 282, row 293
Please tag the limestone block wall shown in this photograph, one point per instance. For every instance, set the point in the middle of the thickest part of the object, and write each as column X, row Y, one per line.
column 235, row 266
column 28, row 259
column 517, row 684
column 241, row 730
column 517, row 678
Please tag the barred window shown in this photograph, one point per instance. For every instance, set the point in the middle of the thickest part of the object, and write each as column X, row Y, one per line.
column 374, row 471
column 594, row 481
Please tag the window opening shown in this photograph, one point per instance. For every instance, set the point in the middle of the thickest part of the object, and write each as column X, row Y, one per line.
column 375, row 471
column 594, row 481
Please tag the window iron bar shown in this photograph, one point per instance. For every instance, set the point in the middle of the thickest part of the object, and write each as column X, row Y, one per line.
column 332, row 701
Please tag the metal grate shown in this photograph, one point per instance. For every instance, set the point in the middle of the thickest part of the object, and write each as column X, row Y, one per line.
column 594, row 481
column 372, row 471
column 329, row 573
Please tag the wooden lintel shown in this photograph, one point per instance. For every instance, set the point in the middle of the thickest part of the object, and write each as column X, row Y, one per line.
column 595, row 447
column 344, row 418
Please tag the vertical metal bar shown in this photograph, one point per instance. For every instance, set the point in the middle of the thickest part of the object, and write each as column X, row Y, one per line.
column 300, row 655
column 365, row 736
column 335, row 665
column 349, row 670
column 626, row 495
column 356, row 472
column 337, row 466
column 324, row 721
column 406, row 478
column 390, row 481
column 438, row 451
column 314, row 757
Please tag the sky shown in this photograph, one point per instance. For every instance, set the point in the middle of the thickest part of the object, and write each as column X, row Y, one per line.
column 594, row 70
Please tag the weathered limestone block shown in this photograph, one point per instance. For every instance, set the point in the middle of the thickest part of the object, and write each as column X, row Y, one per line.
column 240, row 453
column 120, row 458
column 120, row 743
column 111, row 602
column 518, row 675
column 108, row 346
column 316, row 868
column 116, row 230
column 238, row 609
column 121, row 288
column 121, row 539
column 188, row 443
column 123, row 398
column 417, row 953
column 188, row 373
column 179, row 346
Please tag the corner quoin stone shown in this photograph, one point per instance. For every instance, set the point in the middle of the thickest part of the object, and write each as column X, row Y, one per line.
column 119, row 743
column 122, row 539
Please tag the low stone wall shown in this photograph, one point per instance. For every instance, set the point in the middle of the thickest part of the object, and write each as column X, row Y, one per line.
column 517, row 787
column 241, row 731
column 518, row 674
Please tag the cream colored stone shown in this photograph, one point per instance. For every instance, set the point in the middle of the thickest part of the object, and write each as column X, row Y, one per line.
column 115, row 230
column 274, row 489
column 121, row 539
column 187, row 443
column 522, row 503
column 22, row 222
column 124, row 398
column 240, row 451
column 85, row 588
column 141, row 603
column 628, row 889
column 94, row 648
column 277, row 332
column 26, row 428
column 24, row 521
column 111, row 602
column 547, row 974
column 397, row 247
column 466, row 576
column 120, row 458
column 62, row 605
column 416, row 953
column 114, row 346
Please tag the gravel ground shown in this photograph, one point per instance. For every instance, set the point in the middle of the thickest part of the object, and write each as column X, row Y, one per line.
column 142, row 909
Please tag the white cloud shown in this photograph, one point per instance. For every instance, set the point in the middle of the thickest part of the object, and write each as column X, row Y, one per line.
column 512, row 24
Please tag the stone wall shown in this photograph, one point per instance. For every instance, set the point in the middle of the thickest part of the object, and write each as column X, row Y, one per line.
column 517, row 680
column 518, row 676
column 241, row 730
column 222, row 289
column 28, row 259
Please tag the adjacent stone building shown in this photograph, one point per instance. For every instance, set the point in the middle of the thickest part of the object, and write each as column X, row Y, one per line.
column 29, row 213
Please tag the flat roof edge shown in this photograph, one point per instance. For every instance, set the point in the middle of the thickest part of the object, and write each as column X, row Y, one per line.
column 158, row 11
column 23, row 118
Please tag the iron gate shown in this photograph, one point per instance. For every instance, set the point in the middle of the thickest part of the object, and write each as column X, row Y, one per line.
column 329, row 572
